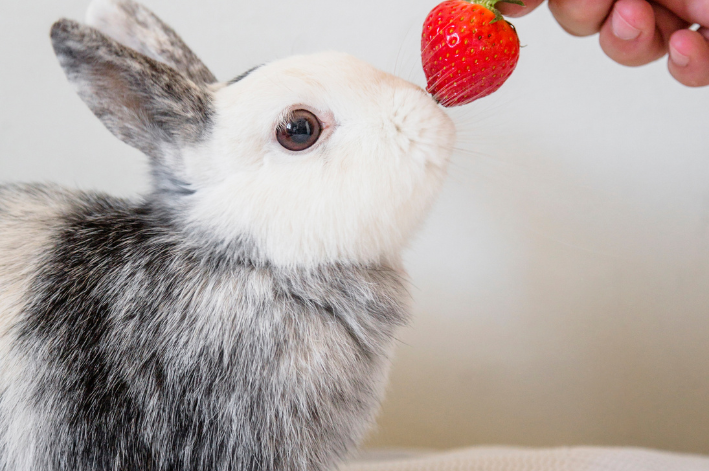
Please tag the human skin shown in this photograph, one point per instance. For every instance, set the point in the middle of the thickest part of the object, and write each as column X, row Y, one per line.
column 637, row 32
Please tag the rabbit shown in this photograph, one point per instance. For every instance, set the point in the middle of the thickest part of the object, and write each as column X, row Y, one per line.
column 240, row 315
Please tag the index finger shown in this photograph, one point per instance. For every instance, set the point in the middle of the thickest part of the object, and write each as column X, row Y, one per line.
column 514, row 11
column 581, row 17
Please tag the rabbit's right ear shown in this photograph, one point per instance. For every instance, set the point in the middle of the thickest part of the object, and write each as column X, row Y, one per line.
column 133, row 25
column 145, row 103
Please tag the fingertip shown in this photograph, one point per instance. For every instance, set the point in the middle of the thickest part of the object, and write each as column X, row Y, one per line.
column 515, row 11
column 630, row 18
column 683, row 45
column 679, row 57
column 689, row 58
column 580, row 18
column 629, row 37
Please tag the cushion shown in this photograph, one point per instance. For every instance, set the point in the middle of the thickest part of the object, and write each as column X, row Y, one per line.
column 528, row 459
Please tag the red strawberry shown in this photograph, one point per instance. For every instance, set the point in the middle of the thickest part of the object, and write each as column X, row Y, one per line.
column 468, row 50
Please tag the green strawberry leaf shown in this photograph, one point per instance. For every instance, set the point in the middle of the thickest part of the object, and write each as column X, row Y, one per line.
column 490, row 5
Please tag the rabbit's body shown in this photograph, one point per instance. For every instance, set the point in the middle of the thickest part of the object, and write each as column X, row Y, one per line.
column 173, row 356
column 240, row 317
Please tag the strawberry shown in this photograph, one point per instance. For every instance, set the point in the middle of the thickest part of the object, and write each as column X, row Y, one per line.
column 468, row 50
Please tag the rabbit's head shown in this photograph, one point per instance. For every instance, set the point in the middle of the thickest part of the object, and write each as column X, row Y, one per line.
column 314, row 159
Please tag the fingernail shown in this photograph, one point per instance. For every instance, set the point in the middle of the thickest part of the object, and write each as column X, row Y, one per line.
column 622, row 29
column 679, row 59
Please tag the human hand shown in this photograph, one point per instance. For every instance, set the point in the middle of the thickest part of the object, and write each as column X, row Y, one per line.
column 636, row 32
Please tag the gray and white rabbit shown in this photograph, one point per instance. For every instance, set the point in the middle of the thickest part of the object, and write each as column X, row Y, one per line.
column 242, row 314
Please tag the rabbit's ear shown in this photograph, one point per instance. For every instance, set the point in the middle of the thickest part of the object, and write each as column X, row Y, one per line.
column 133, row 25
column 145, row 103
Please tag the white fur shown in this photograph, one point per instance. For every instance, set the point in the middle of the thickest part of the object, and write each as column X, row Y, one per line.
column 28, row 220
column 354, row 197
column 110, row 17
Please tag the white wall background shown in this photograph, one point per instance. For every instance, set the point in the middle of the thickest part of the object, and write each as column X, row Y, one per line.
column 561, row 285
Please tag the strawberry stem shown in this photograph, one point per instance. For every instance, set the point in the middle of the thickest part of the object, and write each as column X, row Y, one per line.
column 490, row 5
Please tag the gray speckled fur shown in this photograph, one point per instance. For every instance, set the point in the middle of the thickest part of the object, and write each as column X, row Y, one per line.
column 143, row 102
column 138, row 348
column 146, row 33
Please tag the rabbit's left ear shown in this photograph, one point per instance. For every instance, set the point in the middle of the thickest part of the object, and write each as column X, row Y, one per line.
column 133, row 25
column 145, row 103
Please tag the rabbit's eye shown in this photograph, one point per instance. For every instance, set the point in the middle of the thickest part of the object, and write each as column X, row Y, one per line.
column 300, row 132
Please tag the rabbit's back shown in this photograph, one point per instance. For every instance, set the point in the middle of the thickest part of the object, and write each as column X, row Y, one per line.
column 137, row 349
column 29, row 216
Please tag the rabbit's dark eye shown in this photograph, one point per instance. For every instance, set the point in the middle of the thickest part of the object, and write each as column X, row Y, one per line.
column 300, row 132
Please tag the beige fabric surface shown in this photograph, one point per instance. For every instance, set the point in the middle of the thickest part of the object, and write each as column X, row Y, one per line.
column 528, row 459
